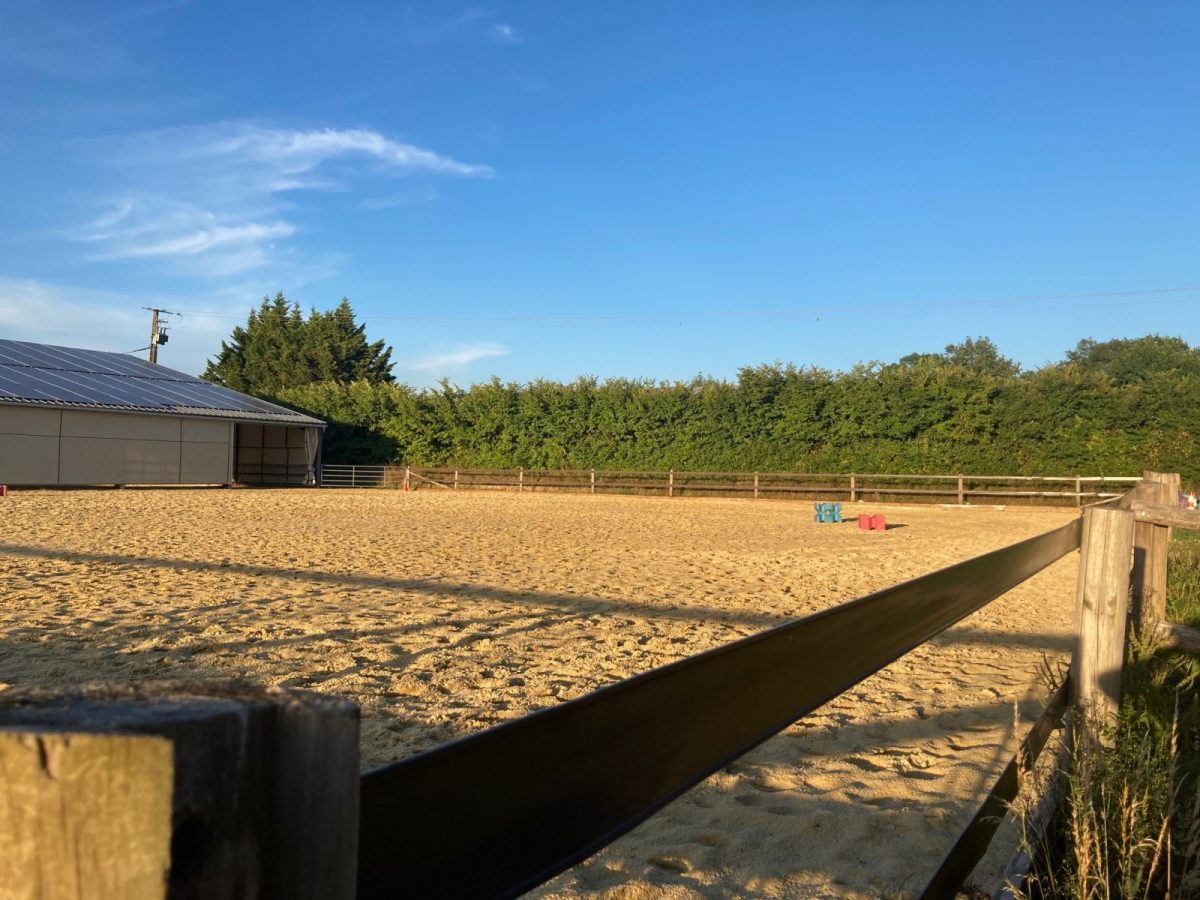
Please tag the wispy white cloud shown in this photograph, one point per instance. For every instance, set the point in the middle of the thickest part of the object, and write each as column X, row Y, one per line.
column 205, row 239
column 423, row 194
column 289, row 153
column 505, row 34
column 70, row 316
column 456, row 356
column 45, row 312
column 221, row 199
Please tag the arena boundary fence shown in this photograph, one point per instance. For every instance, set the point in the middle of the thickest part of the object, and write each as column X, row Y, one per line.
column 193, row 790
column 1077, row 490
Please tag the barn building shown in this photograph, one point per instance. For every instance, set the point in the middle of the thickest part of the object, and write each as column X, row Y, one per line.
column 80, row 417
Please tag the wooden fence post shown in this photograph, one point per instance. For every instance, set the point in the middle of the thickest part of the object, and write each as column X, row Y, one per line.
column 456, row 479
column 1078, row 491
column 853, row 488
column 520, row 479
column 755, row 485
column 960, row 490
column 1150, row 544
column 593, row 481
column 193, row 790
column 671, row 483
column 1101, row 611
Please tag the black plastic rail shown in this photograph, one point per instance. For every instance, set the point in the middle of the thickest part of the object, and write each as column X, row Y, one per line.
column 499, row 812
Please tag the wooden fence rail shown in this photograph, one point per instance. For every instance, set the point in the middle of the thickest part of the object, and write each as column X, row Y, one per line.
column 873, row 487
column 192, row 790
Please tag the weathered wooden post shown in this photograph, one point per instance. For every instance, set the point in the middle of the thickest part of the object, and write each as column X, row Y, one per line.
column 960, row 490
column 178, row 790
column 593, row 481
column 456, row 479
column 521, row 480
column 1078, row 491
column 755, row 485
column 408, row 478
column 853, row 487
column 671, row 483
column 1101, row 611
column 1150, row 544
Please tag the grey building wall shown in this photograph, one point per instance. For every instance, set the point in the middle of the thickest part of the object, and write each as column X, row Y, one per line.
column 76, row 447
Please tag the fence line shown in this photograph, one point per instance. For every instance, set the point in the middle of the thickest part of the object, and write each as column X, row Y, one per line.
column 853, row 487
column 264, row 786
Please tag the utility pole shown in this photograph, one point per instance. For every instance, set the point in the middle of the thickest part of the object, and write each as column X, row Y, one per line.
column 157, row 335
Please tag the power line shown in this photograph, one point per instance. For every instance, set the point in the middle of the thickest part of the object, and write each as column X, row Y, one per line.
column 765, row 312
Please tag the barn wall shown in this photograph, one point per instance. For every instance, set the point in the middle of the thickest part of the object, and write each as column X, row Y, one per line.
column 78, row 447
column 29, row 445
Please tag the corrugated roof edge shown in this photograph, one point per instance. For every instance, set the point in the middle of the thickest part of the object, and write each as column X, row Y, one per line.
column 284, row 417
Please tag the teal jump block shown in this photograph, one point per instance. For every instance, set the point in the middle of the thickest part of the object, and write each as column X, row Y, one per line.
column 828, row 512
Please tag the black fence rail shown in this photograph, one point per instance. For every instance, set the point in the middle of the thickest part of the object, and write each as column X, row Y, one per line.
column 502, row 811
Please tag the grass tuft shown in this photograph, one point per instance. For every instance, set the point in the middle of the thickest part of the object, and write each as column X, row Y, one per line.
column 1129, row 826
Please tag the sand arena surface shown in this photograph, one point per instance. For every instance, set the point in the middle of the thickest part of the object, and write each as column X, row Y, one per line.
column 444, row 613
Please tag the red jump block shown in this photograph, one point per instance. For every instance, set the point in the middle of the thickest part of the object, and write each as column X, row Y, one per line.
column 3, row 490
column 872, row 523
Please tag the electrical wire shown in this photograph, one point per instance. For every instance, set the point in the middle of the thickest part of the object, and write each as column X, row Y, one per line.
column 767, row 312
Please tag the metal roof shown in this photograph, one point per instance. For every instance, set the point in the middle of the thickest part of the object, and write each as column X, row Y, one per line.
column 65, row 377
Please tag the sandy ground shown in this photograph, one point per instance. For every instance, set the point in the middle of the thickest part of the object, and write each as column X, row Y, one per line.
column 444, row 613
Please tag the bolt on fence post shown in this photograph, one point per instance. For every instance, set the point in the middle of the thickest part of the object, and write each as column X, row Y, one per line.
column 1101, row 612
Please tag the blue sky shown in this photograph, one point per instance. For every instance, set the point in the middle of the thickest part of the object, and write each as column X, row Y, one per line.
column 617, row 189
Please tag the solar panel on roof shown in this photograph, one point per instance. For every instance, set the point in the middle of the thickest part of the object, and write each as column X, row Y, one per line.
column 41, row 374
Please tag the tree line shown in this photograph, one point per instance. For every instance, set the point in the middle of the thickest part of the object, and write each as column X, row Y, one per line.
column 1112, row 407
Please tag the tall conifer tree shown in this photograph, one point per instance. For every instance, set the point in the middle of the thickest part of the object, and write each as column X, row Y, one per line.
column 278, row 348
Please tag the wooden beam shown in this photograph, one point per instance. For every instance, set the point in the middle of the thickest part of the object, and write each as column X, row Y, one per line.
column 1150, row 543
column 1101, row 608
column 180, row 789
column 1178, row 637
column 1164, row 514
column 85, row 815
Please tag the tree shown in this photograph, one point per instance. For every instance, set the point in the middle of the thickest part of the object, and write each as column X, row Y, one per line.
column 336, row 349
column 278, row 349
column 979, row 356
column 1131, row 360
